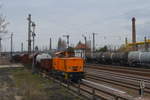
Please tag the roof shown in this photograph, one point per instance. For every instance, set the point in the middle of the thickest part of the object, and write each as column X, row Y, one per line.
column 81, row 46
column 60, row 52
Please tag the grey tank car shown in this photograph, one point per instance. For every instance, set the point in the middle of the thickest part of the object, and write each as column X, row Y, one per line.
column 132, row 58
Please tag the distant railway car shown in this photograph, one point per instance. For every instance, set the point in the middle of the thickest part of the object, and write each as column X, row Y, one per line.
column 25, row 58
column 44, row 61
column 99, row 57
column 120, row 58
column 138, row 58
column 145, row 57
column 69, row 68
column 46, row 64
column 16, row 58
column 94, row 58
column 115, row 57
column 106, row 58
column 31, row 56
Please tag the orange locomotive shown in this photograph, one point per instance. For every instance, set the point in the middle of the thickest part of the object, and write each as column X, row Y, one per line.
column 69, row 68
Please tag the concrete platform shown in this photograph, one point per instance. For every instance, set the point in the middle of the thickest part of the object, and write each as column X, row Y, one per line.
column 11, row 66
column 142, row 98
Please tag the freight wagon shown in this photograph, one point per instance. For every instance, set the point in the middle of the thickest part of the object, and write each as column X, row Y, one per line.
column 133, row 58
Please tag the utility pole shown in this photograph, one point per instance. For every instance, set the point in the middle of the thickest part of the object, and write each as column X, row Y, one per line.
column 29, row 33
column 67, row 36
column 94, row 42
column 85, row 45
column 50, row 44
column 0, row 45
column 11, row 42
column 22, row 47
column 33, row 35
column 126, row 41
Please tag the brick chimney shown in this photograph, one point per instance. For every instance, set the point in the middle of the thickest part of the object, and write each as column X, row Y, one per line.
column 133, row 30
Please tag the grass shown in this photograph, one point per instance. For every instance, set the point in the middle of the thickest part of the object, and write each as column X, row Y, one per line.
column 35, row 87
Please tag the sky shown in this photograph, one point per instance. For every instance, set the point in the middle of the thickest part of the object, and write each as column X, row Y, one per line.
column 110, row 19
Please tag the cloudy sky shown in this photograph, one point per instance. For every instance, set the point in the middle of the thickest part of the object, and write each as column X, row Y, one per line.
column 110, row 19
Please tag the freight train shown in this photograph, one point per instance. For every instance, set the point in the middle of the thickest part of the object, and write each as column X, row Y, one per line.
column 132, row 58
column 67, row 68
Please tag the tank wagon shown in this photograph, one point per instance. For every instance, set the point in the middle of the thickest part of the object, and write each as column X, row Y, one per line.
column 93, row 58
column 139, row 58
column 132, row 58
column 106, row 57
column 120, row 58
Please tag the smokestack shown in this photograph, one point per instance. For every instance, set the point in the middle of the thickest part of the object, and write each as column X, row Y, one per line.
column 133, row 30
column 126, row 41
column 146, row 44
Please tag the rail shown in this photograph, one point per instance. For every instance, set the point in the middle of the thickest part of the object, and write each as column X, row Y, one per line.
column 125, row 80
column 93, row 91
column 118, row 67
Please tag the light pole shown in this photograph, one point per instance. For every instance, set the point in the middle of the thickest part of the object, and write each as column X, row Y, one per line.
column 93, row 42
column 29, row 33
column 67, row 36
column 50, row 44
column 22, row 47
column 0, row 46
column 85, row 45
column 33, row 35
column 11, row 42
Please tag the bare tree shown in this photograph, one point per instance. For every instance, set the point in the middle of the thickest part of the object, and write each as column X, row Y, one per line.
column 3, row 28
column 3, row 25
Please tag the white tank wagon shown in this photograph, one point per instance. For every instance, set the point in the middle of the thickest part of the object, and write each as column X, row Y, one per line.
column 43, row 56
column 145, row 57
column 138, row 57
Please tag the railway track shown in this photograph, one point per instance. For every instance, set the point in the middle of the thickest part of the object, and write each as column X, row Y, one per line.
column 118, row 77
column 121, row 69
column 90, row 91
column 121, row 75
column 121, row 82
